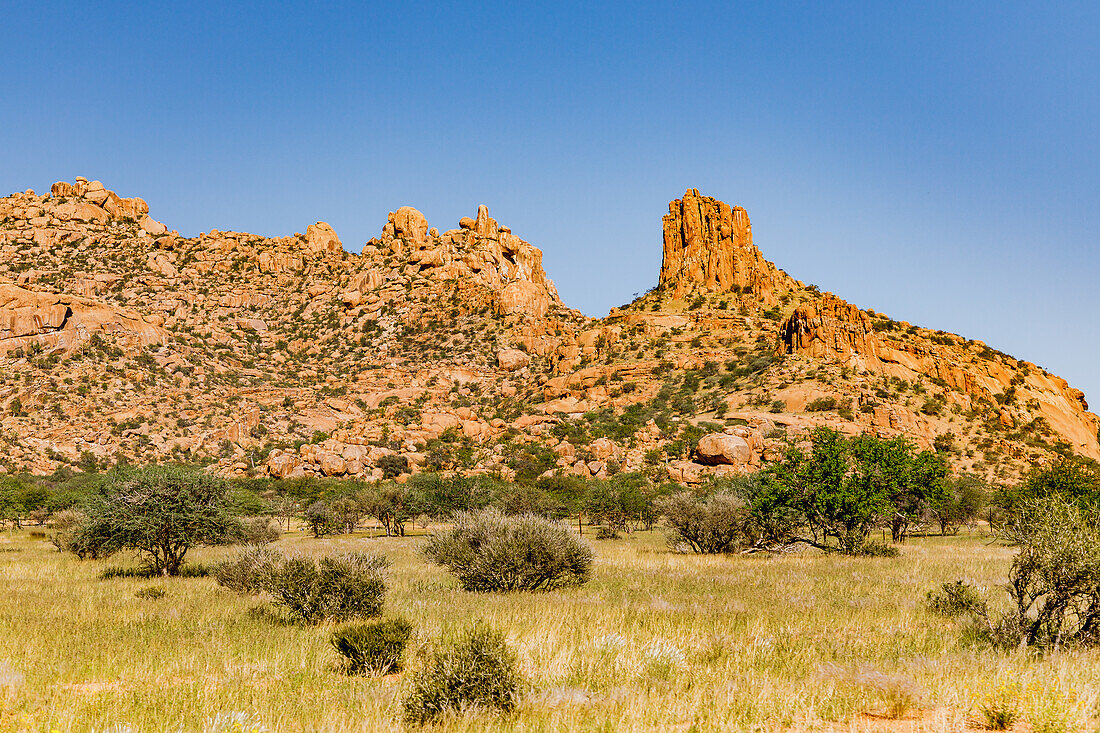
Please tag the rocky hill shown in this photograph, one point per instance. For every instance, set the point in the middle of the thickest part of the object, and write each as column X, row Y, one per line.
column 122, row 340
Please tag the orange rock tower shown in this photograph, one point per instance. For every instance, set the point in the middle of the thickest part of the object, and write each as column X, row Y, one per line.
column 708, row 244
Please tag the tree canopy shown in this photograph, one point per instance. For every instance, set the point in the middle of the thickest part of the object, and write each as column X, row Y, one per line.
column 161, row 512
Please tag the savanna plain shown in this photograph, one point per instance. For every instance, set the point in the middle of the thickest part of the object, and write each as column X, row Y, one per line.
column 657, row 640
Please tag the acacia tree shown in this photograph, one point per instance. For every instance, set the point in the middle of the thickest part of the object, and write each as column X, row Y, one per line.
column 910, row 482
column 959, row 502
column 394, row 505
column 160, row 512
column 837, row 503
column 11, row 505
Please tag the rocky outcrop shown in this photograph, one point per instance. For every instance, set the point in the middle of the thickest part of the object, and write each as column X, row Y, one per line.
column 56, row 320
column 320, row 237
column 523, row 298
column 451, row 351
column 708, row 244
column 479, row 251
column 829, row 328
column 408, row 223
column 511, row 360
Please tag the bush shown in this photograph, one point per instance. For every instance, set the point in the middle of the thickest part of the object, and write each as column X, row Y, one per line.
column 715, row 524
column 873, row 548
column 958, row 501
column 334, row 588
column 247, row 571
column 373, row 646
column 1054, row 583
column 260, row 531
column 488, row 551
column 1055, row 579
column 955, row 599
column 393, row 465
column 479, row 670
column 821, row 404
column 337, row 587
column 320, row 518
column 66, row 534
column 190, row 570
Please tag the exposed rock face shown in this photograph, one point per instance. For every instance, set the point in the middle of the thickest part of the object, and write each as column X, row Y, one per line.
column 708, row 244
column 54, row 320
column 320, row 237
column 479, row 251
column 525, row 298
column 829, row 328
column 511, row 360
column 408, row 223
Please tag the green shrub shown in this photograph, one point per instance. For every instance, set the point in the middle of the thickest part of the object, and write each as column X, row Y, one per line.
column 999, row 709
column 373, row 646
column 489, row 551
column 955, row 599
column 190, row 570
column 337, row 587
column 873, row 548
column 67, row 535
column 478, row 670
column 1054, row 582
column 333, row 588
column 320, row 518
column 393, row 465
column 821, row 404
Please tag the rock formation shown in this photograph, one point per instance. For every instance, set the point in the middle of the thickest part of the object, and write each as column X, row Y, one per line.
column 479, row 251
column 708, row 244
column 453, row 352
column 48, row 321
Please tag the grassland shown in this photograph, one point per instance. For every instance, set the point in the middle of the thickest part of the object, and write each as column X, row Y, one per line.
column 657, row 641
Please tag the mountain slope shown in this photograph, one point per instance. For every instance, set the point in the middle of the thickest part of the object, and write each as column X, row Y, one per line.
column 452, row 351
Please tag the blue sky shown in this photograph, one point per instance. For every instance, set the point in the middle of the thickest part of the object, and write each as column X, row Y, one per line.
column 938, row 162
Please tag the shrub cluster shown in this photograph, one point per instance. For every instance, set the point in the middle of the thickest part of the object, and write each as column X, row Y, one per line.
column 821, row 404
column 373, row 646
column 334, row 587
column 260, row 531
column 246, row 571
column 717, row 523
column 489, row 551
column 1053, row 585
column 477, row 670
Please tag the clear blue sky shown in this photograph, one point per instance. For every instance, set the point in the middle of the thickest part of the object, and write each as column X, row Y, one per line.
column 937, row 161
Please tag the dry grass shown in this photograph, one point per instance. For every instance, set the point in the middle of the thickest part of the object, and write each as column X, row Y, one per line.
column 657, row 641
